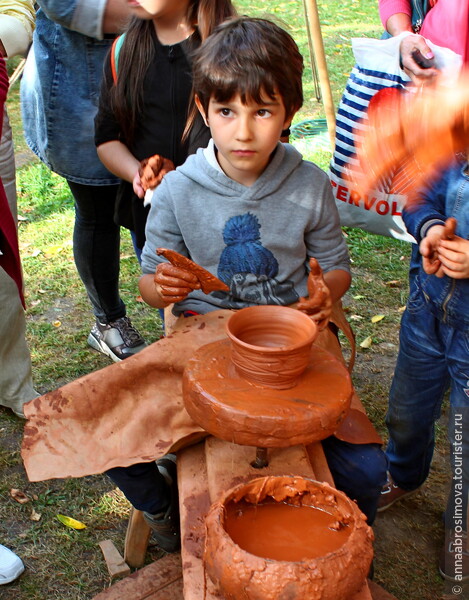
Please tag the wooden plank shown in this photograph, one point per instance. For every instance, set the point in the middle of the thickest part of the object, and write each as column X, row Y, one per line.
column 194, row 502
column 318, row 461
column 230, row 464
column 378, row 593
column 363, row 594
column 115, row 563
column 136, row 539
column 162, row 580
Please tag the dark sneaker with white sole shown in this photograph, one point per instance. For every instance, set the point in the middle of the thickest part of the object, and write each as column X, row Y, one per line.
column 165, row 525
column 118, row 339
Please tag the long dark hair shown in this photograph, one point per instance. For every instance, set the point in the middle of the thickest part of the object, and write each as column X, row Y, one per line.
column 137, row 53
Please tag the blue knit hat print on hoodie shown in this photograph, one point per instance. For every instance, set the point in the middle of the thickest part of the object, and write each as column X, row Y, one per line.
column 244, row 252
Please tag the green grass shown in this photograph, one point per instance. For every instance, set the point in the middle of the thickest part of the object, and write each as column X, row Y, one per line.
column 64, row 564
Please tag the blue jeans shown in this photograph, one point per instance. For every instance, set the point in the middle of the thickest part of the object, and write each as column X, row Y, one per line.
column 96, row 248
column 143, row 486
column 359, row 470
column 432, row 358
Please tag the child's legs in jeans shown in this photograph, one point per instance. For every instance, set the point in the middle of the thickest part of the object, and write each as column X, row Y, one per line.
column 420, row 380
column 143, row 486
column 359, row 470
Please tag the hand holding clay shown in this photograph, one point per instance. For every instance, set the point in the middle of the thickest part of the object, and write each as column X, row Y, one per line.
column 149, row 176
column 453, row 252
column 208, row 282
column 174, row 283
column 430, row 250
column 319, row 303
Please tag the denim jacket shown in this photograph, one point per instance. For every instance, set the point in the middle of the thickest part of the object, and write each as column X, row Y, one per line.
column 60, row 88
column 446, row 298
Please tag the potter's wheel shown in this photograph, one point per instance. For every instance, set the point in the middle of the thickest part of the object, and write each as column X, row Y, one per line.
column 233, row 409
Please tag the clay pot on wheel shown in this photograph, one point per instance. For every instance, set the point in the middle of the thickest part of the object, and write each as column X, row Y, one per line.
column 329, row 559
column 271, row 345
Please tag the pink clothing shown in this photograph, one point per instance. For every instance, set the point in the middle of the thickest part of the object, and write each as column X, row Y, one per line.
column 446, row 24
column 387, row 8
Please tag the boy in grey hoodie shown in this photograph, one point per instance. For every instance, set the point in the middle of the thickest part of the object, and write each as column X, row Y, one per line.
column 247, row 208
column 251, row 211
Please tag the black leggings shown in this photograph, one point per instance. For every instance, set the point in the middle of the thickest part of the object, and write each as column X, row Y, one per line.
column 96, row 248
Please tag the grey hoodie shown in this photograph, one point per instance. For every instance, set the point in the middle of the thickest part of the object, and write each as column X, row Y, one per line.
column 256, row 239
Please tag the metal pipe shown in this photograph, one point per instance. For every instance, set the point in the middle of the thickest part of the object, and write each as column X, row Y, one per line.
column 261, row 459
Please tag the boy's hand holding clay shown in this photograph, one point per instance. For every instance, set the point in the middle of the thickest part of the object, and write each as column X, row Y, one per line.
column 174, row 283
column 319, row 303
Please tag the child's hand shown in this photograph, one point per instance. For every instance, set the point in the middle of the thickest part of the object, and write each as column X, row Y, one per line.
column 429, row 250
column 454, row 257
column 173, row 283
column 319, row 303
column 137, row 185
column 430, row 246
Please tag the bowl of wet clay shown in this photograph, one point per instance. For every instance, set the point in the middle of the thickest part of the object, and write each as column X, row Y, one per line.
column 271, row 345
column 287, row 537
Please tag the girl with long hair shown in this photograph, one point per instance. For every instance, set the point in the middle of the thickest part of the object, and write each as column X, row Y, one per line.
column 144, row 104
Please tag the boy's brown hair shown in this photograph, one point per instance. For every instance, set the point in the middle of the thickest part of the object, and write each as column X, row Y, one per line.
column 249, row 57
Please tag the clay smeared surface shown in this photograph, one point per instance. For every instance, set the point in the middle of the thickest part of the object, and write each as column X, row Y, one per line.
column 231, row 408
column 336, row 575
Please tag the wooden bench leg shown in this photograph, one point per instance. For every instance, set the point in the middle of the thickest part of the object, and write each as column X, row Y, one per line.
column 136, row 539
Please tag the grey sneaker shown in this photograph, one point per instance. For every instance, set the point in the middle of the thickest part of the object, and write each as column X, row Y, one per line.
column 118, row 339
column 165, row 525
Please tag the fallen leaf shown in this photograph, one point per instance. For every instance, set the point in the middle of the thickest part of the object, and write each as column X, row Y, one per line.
column 401, row 309
column 69, row 522
column 366, row 342
column 393, row 283
column 356, row 317
column 52, row 250
column 42, row 291
column 358, row 297
column 19, row 496
column 377, row 318
column 34, row 516
column 57, row 323
column 21, row 218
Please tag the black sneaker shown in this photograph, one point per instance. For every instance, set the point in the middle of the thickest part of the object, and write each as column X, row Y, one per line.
column 165, row 525
column 118, row 339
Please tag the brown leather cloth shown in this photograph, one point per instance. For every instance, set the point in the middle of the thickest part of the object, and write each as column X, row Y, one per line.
column 133, row 411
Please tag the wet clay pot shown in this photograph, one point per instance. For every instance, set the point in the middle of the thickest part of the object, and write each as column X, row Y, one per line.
column 271, row 345
column 325, row 553
column 233, row 409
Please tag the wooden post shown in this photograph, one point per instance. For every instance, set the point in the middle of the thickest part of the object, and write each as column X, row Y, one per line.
column 312, row 17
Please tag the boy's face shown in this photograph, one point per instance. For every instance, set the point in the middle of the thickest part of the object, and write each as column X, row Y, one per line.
column 245, row 134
